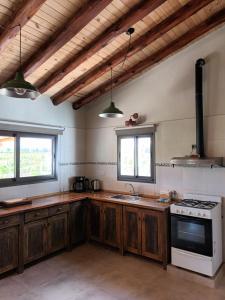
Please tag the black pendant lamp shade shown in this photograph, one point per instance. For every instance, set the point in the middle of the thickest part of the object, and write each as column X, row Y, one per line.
column 111, row 112
column 19, row 87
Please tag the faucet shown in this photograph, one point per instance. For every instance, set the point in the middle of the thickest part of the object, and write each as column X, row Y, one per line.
column 131, row 185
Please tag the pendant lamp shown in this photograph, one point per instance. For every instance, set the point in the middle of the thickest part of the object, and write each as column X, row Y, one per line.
column 112, row 111
column 19, row 87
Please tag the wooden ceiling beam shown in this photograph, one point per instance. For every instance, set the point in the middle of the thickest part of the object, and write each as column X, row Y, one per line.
column 134, row 15
column 21, row 16
column 140, row 43
column 197, row 31
column 74, row 25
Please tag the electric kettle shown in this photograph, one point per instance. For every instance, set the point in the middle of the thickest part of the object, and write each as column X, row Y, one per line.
column 95, row 184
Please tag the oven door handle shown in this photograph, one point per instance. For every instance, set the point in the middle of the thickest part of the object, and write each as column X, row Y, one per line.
column 193, row 219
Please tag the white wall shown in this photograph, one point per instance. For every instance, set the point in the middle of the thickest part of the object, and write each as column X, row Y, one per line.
column 165, row 95
column 71, row 147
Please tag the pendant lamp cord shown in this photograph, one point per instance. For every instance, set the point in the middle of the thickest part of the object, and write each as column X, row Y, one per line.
column 111, row 84
column 20, row 47
column 126, row 54
column 125, row 58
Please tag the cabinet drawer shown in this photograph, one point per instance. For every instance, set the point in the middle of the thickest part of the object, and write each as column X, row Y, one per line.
column 36, row 215
column 8, row 221
column 58, row 209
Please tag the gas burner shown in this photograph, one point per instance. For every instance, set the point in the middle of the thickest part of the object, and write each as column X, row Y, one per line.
column 197, row 204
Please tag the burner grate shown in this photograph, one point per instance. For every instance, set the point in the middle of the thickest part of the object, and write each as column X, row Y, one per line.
column 197, row 204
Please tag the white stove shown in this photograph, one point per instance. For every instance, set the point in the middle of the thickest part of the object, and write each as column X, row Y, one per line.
column 196, row 233
column 191, row 205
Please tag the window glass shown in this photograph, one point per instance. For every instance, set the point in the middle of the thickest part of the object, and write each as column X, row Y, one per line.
column 7, row 157
column 36, row 156
column 136, row 157
column 144, row 156
column 127, row 156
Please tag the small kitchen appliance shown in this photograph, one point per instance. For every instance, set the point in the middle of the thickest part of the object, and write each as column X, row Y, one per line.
column 196, row 233
column 95, row 184
column 79, row 184
column 86, row 185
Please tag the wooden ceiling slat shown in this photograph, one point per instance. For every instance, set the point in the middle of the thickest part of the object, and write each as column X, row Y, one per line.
column 216, row 5
column 21, row 16
column 79, row 20
column 167, row 24
column 54, row 13
column 197, row 31
column 134, row 15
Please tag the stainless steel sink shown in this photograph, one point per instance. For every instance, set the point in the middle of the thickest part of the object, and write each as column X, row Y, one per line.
column 126, row 197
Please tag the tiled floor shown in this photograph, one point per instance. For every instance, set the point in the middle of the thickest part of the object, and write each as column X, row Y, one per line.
column 92, row 272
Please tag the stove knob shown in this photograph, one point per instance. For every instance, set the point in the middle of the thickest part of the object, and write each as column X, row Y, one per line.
column 177, row 211
column 204, row 215
column 182, row 211
column 190, row 213
column 199, row 215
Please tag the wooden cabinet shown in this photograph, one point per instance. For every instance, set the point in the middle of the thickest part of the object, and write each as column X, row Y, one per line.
column 45, row 236
column 105, row 223
column 96, row 221
column 78, row 222
column 132, row 229
column 152, row 234
column 145, row 232
column 57, row 233
column 9, row 248
column 29, row 236
column 112, row 224
column 35, row 240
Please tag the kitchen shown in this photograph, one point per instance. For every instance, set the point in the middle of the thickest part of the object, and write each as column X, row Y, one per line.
column 87, row 145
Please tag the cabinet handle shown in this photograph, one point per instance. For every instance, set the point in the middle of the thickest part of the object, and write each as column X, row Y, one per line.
column 6, row 222
column 37, row 214
column 59, row 208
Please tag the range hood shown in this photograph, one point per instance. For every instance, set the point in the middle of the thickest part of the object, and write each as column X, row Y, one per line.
column 198, row 160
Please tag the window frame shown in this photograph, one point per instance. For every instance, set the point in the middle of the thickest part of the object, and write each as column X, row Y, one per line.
column 17, row 180
column 136, row 178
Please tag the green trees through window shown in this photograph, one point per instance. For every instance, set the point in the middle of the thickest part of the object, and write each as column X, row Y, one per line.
column 26, row 157
column 7, row 157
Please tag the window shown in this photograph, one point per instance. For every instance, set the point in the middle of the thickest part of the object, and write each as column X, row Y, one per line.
column 136, row 150
column 26, row 158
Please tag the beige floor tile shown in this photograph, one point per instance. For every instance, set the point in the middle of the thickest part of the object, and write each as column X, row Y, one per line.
column 95, row 273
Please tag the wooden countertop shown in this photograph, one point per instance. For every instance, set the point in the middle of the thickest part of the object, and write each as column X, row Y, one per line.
column 64, row 198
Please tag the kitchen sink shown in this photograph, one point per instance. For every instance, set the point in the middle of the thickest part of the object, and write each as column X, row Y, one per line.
column 126, row 197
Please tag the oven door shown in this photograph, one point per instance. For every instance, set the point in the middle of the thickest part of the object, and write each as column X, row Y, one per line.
column 192, row 234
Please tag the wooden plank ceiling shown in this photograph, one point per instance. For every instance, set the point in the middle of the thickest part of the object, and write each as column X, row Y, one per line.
column 69, row 46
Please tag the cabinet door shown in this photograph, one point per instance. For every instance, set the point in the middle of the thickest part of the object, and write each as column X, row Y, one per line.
column 57, row 233
column 78, row 222
column 152, row 232
column 9, row 248
column 112, row 221
column 95, row 222
column 132, row 229
column 35, row 240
